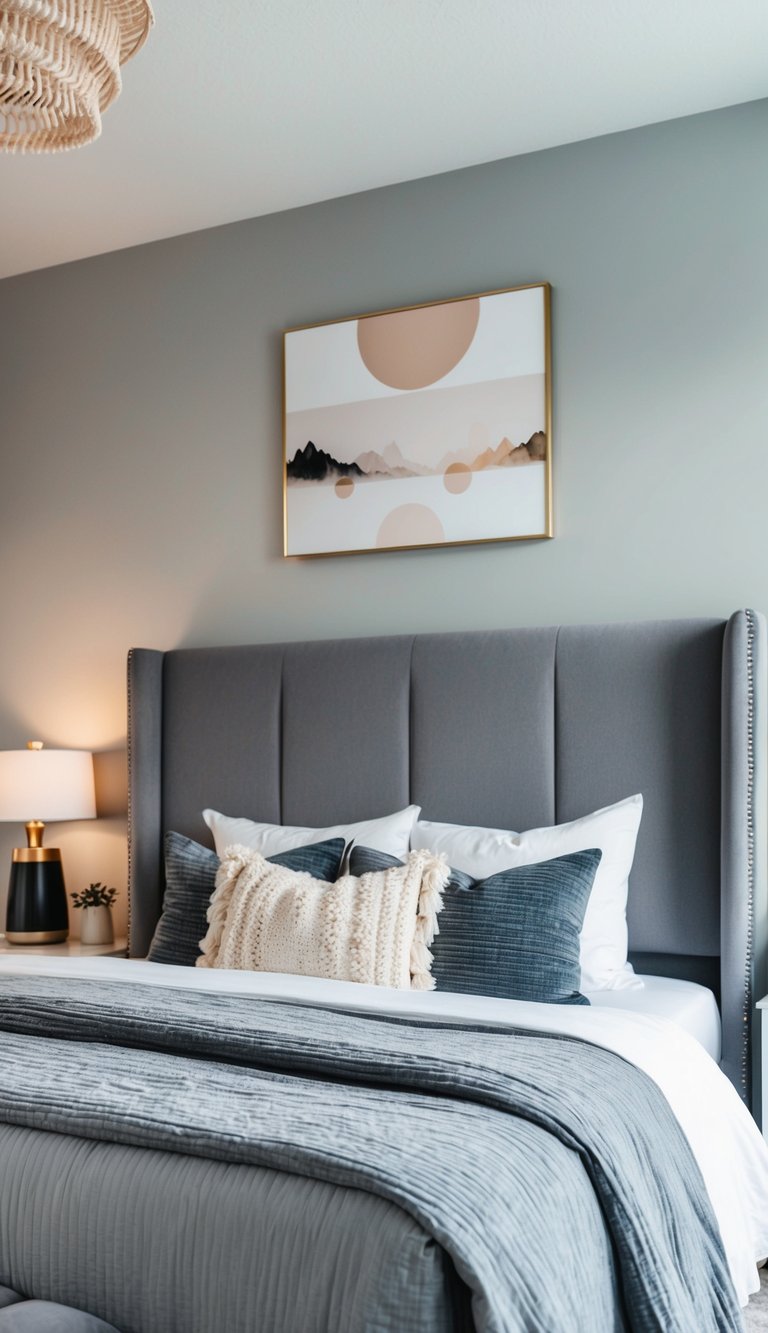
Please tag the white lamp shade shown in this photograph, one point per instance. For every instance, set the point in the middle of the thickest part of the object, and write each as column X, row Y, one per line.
column 46, row 785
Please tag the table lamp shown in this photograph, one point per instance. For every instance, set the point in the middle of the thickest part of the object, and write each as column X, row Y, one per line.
column 38, row 785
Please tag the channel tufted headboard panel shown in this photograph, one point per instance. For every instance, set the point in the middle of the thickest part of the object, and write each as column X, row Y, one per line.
column 510, row 728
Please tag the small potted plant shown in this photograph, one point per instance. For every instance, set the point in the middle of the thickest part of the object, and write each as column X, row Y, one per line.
column 96, row 903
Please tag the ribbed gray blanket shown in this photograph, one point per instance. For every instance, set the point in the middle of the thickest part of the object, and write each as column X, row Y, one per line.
column 508, row 1147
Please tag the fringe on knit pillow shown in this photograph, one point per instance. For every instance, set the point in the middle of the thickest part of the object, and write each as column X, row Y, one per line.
column 375, row 928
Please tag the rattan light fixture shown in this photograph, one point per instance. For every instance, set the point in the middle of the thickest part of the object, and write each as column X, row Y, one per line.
column 60, row 67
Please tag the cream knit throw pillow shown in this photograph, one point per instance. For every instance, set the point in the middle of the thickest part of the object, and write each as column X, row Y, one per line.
column 376, row 928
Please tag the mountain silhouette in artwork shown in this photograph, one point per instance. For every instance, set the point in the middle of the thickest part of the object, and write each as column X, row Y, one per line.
column 494, row 457
column 374, row 464
column 506, row 454
column 509, row 455
column 537, row 447
column 389, row 463
column 313, row 464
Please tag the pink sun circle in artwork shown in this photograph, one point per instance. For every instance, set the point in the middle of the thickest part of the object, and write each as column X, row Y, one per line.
column 409, row 349
column 410, row 525
column 344, row 487
column 457, row 478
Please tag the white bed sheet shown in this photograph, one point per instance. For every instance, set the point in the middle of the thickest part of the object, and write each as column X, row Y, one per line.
column 730, row 1150
column 684, row 1002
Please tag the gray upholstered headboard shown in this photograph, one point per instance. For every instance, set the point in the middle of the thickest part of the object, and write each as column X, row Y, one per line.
column 511, row 728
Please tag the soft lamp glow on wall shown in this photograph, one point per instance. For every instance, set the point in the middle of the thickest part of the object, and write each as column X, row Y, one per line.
column 60, row 68
column 38, row 785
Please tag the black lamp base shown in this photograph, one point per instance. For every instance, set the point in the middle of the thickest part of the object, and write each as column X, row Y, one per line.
column 37, row 900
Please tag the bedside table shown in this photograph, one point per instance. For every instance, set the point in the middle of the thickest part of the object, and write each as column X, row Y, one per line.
column 68, row 949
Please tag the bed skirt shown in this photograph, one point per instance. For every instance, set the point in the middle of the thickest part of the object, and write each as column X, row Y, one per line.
column 217, row 1245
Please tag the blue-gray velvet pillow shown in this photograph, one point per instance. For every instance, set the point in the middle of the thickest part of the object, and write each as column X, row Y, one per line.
column 514, row 935
column 190, row 879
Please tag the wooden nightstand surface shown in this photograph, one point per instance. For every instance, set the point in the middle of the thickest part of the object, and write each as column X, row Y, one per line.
column 68, row 949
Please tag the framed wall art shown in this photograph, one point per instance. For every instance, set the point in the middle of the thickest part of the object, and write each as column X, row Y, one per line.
column 424, row 426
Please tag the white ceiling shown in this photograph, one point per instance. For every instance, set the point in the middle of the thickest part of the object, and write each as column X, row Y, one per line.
column 245, row 107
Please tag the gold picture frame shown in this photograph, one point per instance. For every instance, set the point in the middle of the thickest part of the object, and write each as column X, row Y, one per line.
column 391, row 419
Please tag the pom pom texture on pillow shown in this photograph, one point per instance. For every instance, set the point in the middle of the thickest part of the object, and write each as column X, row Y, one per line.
column 375, row 929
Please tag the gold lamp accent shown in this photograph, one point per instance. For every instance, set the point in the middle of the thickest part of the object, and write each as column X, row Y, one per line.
column 60, row 68
column 52, row 785
column 35, row 828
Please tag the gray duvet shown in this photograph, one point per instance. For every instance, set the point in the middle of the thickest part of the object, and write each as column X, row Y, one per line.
column 212, row 1164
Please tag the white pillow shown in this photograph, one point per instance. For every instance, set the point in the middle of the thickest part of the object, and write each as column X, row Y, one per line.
column 481, row 852
column 389, row 834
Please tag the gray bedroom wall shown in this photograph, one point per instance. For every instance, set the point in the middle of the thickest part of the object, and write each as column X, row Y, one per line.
column 140, row 491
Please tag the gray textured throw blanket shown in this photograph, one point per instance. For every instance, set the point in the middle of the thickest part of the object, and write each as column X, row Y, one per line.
column 551, row 1171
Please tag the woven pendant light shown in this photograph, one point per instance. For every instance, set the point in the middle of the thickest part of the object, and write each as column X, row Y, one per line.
column 60, row 67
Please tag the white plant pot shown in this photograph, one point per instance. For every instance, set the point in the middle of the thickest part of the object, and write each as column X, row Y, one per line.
column 96, row 925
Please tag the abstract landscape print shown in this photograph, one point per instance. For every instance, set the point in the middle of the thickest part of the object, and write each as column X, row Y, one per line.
column 428, row 426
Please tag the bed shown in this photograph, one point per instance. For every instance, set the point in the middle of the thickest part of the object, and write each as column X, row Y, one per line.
column 224, row 1150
